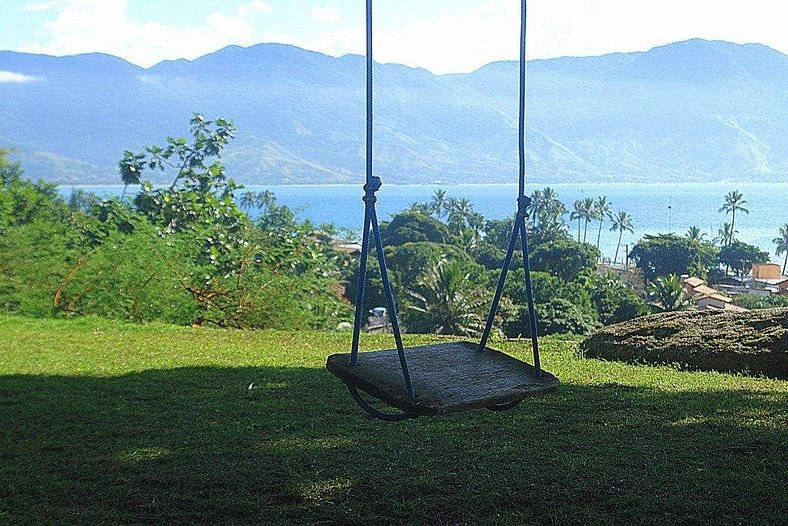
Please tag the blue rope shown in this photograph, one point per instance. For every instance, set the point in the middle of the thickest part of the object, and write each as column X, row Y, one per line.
column 362, row 284
column 499, row 289
column 523, row 202
column 369, row 91
column 376, row 413
column 372, row 185
column 392, row 307
column 529, row 292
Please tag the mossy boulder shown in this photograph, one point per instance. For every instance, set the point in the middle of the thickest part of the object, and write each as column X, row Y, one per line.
column 752, row 342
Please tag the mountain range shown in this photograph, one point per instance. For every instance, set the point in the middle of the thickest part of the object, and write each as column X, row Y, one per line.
column 690, row 111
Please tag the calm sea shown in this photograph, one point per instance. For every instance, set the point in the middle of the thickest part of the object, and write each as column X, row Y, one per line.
column 655, row 208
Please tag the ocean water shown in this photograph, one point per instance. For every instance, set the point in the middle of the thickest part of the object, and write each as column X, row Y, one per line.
column 655, row 208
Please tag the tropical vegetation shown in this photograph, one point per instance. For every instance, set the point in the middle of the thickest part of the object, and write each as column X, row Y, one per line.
column 203, row 250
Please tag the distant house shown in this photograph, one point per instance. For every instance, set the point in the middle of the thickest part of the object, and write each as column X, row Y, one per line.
column 348, row 247
column 765, row 271
column 707, row 298
column 775, row 286
column 715, row 302
column 690, row 283
column 736, row 281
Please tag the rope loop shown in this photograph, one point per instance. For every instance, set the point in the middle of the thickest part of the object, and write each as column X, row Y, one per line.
column 372, row 186
column 523, row 203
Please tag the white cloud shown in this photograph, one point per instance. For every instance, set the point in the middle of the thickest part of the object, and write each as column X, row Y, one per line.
column 257, row 6
column 103, row 26
column 452, row 42
column 44, row 6
column 326, row 15
column 10, row 76
column 443, row 39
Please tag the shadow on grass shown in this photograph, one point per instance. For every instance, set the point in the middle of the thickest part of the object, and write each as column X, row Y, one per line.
column 197, row 445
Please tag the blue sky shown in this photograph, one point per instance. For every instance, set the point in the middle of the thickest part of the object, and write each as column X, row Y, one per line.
column 441, row 35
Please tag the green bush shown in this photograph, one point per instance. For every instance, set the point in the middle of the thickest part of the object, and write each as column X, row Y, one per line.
column 557, row 316
column 35, row 258
column 134, row 277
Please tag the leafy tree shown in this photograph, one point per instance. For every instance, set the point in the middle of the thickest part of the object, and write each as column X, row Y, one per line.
column 668, row 294
column 83, row 201
column 614, row 301
column 665, row 254
column 407, row 227
column 782, row 245
column 200, row 200
column 35, row 256
column 498, row 231
column 547, row 289
column 536, row 206
column 556, row 316
column 565, row 259
column 238, row 275
column 741, row 256
column 22, row 201
column 734, row 201
column 475, row 230
column 547, row 214
column 490, row 256
column 602, row 210
column 622, row 222
column 550, row 228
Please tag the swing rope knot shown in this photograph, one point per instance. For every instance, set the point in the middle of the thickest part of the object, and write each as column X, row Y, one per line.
column 523, row 203
column 370, row 188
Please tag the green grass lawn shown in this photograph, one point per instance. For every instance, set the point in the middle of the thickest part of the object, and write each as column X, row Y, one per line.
column 106, row 422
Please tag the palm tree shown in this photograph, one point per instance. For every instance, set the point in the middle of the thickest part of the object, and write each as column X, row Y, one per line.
column 734, row 202
column 725, row 235
column 552, row 207
column 782, row 244
column 602, row 210
column 577, row 213
column 438, row 206
column 695, row 234
column 667, row 294
column 450, row 300
column 248, row 200
column 420, row 208
column 476, row 223
column 621, row 222
column 536, row 205
column 265, row 200
column 587, row 213
column 460, row 211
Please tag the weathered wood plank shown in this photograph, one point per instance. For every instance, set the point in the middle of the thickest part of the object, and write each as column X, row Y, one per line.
column 447, row 377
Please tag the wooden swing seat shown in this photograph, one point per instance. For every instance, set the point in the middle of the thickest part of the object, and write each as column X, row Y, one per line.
column 447, row 378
